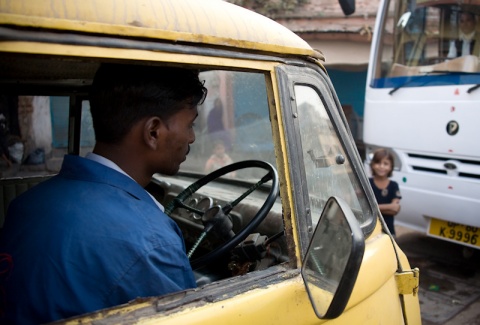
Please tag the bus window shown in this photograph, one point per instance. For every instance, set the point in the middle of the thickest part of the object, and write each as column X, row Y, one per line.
column 423, row 38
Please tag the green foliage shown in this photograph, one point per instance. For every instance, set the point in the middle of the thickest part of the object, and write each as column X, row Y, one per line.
column 270, row 8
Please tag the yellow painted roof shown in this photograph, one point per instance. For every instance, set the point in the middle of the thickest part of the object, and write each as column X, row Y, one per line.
column 213, row 22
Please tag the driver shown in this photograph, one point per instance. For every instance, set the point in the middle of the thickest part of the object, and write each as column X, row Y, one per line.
column 92, row 237
column 467, row 42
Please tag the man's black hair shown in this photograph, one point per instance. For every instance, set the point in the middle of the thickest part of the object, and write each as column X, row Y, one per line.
column 121, row 95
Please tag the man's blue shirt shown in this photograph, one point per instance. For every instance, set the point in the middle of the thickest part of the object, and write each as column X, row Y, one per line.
column 87, row 239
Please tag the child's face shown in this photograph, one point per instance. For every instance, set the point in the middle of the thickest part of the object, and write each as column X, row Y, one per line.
column 219, row 150
column 382, row 168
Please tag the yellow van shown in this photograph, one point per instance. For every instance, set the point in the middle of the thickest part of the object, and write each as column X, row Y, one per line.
column 309, row 245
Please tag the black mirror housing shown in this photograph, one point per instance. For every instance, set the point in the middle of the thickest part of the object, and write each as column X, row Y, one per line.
column 333, row 259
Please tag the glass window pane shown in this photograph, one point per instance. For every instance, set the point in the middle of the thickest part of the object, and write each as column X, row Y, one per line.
column 233, row 123
column 423, row 44
column 327, row 166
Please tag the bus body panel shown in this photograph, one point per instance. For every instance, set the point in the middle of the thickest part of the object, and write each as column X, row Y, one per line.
column 416, row 120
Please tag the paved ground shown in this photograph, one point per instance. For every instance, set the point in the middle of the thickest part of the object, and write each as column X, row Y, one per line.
column 449, row 283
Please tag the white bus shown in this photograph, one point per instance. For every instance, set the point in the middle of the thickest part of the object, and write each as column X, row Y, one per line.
column 423, row 103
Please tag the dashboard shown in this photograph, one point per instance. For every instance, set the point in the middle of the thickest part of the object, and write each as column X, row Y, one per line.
column 219, row 193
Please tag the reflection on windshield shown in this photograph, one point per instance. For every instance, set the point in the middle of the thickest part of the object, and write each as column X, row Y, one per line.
column 233, row 124
column 329, row 172
column 430, row 38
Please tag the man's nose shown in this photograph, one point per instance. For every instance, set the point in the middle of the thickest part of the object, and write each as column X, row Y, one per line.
column 192, row 138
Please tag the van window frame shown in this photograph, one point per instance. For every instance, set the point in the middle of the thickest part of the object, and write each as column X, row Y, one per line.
column 290, row 76
column 215, row 291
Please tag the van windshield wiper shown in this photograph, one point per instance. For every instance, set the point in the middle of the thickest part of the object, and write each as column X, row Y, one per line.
column 429, row 73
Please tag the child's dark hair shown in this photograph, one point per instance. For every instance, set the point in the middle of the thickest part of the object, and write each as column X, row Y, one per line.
column 380, row 154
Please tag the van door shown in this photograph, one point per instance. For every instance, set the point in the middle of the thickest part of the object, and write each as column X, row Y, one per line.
column 329, row 165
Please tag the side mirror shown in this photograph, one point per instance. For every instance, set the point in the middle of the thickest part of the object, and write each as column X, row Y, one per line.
column 348, row 6
column 333, row 259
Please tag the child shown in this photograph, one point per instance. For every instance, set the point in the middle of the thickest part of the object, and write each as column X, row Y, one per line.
column 386, row 191
column 218, row 159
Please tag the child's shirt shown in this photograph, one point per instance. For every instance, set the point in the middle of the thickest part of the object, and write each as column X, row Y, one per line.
column 386, row 195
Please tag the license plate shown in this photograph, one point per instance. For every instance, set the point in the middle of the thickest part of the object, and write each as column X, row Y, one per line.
column 466, row 235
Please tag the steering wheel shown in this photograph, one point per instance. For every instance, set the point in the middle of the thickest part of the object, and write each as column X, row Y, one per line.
column 222, row 215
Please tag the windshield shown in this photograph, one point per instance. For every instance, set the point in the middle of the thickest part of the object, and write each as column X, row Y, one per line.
column 233, row 123
column 428, row 43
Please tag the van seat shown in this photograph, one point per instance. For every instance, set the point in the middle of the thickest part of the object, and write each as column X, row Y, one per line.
column 12, row 187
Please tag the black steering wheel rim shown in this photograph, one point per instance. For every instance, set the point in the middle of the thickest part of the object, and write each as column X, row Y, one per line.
column 254, row 222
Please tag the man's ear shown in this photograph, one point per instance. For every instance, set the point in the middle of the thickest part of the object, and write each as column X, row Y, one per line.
column 153, row 130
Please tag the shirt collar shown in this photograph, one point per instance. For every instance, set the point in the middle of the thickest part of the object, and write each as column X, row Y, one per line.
column 467, row 37
column 108, row 163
